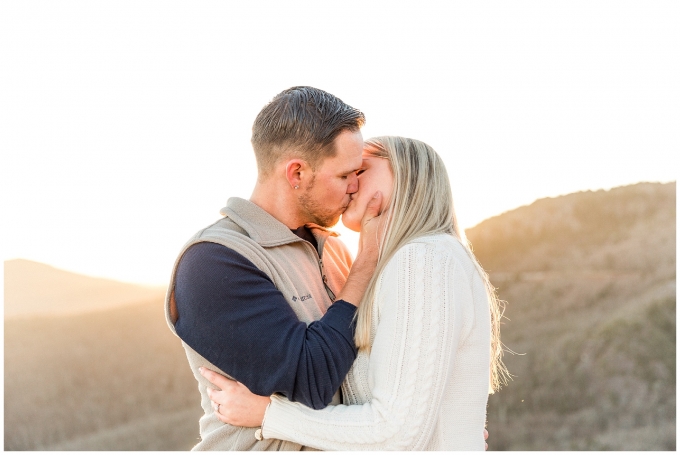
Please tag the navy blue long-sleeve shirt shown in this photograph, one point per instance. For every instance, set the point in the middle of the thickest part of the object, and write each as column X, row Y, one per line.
column 231, row 313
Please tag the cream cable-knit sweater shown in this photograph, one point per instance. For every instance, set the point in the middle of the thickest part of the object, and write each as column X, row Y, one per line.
column 425, row 384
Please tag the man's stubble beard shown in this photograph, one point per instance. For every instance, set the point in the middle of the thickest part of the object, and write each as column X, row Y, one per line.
column 317, row 213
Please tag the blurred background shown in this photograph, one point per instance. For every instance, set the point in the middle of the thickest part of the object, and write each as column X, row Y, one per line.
column 126, row 126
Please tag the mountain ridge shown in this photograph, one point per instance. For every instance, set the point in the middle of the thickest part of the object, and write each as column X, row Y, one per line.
column 36, row 289
column 590, row 283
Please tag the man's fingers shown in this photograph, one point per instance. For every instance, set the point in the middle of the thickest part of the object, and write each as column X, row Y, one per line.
column 486, row 434
column 210, row 375
column 215, row 378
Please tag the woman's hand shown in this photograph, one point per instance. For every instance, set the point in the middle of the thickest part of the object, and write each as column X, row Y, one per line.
column 367, row 257
column 234, row 403
column 372, row 226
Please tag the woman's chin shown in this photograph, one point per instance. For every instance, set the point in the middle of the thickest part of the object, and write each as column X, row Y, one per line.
column 351, row 224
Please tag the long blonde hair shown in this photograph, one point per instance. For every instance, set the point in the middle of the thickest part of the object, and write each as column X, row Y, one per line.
column 421, row 204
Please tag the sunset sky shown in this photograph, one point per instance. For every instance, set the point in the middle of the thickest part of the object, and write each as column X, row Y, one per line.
column 125, row 125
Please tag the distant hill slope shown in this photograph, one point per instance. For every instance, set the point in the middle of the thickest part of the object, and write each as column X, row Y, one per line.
column 630, row 228
column 90, row 364
column 590, row 281
column 114, row 379
column 32, row 288
column 590, row 284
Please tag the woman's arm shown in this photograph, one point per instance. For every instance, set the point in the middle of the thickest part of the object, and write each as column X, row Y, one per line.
column 416, row 339
column 421, row 292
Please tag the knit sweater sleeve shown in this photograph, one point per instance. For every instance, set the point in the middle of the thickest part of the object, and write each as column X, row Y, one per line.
column 420, row 295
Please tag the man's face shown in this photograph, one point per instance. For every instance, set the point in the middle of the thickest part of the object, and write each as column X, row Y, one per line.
column 327, row 195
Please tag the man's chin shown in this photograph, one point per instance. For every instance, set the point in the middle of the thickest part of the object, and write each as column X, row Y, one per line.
column 328, row 222
column 335, row 222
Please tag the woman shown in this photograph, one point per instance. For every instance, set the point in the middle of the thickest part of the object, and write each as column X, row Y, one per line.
column 427, row 328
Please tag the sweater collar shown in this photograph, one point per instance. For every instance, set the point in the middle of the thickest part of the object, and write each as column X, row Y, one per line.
column 264, row 228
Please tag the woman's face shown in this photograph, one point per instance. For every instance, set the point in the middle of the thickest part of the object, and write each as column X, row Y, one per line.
column 375, row 175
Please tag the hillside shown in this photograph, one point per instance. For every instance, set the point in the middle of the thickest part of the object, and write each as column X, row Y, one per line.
column 590, row 281
column 32, row 288
column 106, row 380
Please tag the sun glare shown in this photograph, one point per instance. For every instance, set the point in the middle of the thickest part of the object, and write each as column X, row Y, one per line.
column 136, row 132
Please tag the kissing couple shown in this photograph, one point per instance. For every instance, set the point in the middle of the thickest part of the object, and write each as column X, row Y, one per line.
column 295, row 346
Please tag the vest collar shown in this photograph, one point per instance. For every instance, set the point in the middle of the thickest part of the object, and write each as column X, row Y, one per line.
column 264, row 228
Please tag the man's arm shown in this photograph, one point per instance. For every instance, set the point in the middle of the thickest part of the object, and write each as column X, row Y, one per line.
column 232, row 314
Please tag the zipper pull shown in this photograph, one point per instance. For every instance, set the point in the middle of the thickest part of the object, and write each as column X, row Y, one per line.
column 329, row 291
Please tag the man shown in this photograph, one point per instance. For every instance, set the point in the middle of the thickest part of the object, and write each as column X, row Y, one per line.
column 244, row 289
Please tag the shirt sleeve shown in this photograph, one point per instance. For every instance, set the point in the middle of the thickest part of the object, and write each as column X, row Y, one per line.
column 414, row 349
column 231, row 313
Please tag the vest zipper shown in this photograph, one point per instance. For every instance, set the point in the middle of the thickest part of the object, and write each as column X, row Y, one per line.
column 329, row 291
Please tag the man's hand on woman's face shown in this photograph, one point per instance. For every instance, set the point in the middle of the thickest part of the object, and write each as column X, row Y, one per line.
column 233, row 402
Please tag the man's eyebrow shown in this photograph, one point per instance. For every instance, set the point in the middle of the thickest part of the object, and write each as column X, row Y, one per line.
column 353, row 170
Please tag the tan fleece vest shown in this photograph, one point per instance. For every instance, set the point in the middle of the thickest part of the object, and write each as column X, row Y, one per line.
column 294, row 267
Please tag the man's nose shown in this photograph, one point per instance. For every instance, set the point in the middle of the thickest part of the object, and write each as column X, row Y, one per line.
column 353, row 186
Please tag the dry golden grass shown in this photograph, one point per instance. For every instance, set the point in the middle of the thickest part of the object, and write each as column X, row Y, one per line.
column 590, row 281
column 108, row 380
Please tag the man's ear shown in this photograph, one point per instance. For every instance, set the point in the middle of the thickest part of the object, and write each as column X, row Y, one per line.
column 296, row 172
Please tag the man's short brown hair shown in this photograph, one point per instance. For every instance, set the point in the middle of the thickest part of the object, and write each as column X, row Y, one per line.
column 301, row 122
